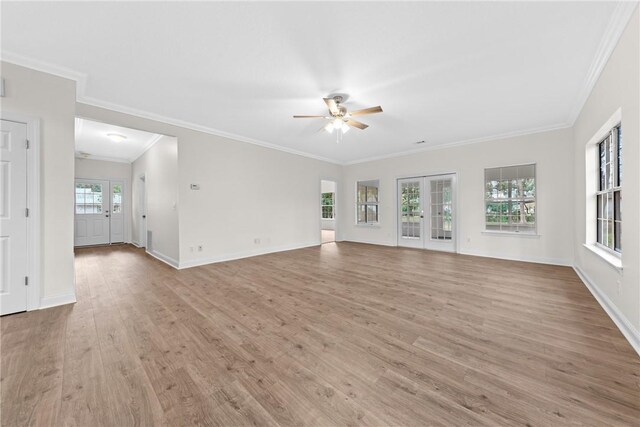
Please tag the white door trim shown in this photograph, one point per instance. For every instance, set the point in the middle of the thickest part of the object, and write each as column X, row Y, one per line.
column 34, row 240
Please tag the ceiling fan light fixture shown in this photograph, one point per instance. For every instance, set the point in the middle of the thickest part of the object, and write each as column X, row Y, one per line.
column 116, row 137
column 329, row 127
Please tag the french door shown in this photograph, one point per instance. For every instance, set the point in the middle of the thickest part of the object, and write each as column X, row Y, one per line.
column 426, row 212
column 99, row 212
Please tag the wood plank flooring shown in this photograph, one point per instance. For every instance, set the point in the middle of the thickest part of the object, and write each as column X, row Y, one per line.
column 341, row 334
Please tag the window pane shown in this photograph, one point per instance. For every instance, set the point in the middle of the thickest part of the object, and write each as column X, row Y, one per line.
column 372, row 194
column 619, row 174
column 372, row 213
column 609, row 206
column 599, row 232
column 362, row 193
column 610, row 234
column 617, row 196
column 362, row 215
column 602, row 165
column 618, row 236
column 88, row 198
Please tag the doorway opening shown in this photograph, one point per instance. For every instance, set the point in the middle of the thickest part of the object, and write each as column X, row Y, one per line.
column 328, row 211
column 427, row 212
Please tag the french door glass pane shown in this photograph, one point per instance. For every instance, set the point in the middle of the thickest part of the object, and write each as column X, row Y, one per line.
column 410, row 209
column 441, row 209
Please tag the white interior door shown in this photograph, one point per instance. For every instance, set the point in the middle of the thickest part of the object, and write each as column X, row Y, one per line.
column 117, row 200
column 13, row 217
column 411, row 212
column 92, row 212
column 426, row 212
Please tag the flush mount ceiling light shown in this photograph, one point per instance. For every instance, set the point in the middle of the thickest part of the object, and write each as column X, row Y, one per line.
column 341, row 119
column 116, row 137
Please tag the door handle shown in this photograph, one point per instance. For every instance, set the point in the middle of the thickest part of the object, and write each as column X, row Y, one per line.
column 144, row 216
column 107, row 216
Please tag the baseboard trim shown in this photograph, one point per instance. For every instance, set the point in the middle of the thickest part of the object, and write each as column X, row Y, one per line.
column 245, row 254
column 57, row 300
column 369, row 242
column 627, row 329
column 164, row 258
column 536, row 260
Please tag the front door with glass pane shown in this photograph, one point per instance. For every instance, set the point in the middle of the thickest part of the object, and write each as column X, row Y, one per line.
column 426, row 212
column 92, row 224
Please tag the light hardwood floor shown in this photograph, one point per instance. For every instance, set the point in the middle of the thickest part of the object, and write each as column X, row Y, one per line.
column 342, row 334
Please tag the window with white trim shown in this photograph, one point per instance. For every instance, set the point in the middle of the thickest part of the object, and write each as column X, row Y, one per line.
column 328, row 205
column 367, row 202
column 609, row 191
column 510, row 199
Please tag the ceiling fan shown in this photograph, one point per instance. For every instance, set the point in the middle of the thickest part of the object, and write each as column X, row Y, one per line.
column 341, row 119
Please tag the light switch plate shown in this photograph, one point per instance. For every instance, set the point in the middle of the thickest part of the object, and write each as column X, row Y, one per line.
column 195, row 186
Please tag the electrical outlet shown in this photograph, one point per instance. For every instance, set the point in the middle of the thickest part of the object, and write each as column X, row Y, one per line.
column 199, row 248
column 191, row 248
column 256, row 241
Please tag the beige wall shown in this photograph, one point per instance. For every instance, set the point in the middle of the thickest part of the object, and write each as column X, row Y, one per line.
column 51, row 99
column 159, row 164
column 617, row 88
column 552, row 153
column 101, row 169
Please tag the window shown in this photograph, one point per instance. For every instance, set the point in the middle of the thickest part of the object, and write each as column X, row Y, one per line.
column 328, row 205
column 510, row 199
column 117, row 198
column 609, row 191
column 367, row 202
column 88, row 198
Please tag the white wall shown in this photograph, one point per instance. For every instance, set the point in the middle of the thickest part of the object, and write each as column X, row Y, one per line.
column 247, row 192
column 159, row 165
column 552, row 153
column 52, row 100
column 617, row 87
column 100, row 169
column 328, row 187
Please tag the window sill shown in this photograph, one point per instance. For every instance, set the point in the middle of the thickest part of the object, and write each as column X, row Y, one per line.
column 611, row 259
column 511, row 234
column 371, row 225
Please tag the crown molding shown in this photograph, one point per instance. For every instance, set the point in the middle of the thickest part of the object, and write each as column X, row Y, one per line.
column 81, row 97
column 617, row 24
column 102, row 158
column 47, row 67
column 495, row 137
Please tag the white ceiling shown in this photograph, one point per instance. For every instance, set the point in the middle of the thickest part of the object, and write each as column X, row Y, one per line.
column 444, row 72
column 92, row 141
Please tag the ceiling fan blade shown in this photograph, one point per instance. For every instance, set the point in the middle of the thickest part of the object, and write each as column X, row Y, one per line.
column 309, row 117
column 356, row 124
column 331, row 103
column 371, row 110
